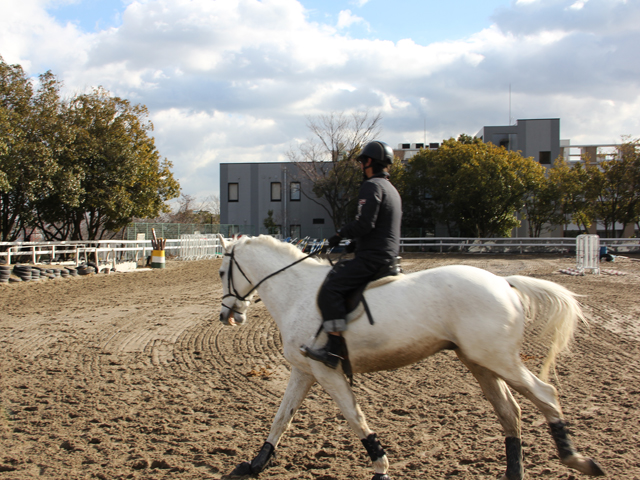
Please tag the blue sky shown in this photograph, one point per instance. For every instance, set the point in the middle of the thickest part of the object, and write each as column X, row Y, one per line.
column 424, row 21
column 237, row 80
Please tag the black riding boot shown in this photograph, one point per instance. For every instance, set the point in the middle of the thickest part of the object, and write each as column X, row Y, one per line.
column 330, row 354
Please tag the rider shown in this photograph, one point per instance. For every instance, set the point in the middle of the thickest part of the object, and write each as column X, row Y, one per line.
column 376, row 230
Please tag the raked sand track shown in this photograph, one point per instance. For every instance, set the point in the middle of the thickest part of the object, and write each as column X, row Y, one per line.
column 131, row 375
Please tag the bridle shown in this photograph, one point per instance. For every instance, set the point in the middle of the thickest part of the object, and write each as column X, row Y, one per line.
column 233, row 292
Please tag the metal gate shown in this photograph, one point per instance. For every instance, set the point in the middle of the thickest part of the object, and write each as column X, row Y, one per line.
column 588, row 253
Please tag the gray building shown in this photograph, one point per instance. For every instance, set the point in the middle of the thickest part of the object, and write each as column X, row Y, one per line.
column 248, row 191
column 537, row 138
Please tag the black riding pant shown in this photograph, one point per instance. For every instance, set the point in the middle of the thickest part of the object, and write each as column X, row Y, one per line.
column 345, row 278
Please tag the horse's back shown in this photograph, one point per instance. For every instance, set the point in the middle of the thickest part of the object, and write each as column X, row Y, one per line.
column 427, row 311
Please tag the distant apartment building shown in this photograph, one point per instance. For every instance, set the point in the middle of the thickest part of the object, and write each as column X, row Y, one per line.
column 537, row 138
column 407, row 150
column 248, row 191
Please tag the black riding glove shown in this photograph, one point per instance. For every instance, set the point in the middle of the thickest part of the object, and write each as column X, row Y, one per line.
column 334, row 241
column 351, row 247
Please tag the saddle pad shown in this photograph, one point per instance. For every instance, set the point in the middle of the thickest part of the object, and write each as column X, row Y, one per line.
column 354, row 301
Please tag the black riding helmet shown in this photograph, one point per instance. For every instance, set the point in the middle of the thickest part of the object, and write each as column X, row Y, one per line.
column 380, row 152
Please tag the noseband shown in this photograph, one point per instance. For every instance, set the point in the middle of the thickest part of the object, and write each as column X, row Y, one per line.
column 233, row 292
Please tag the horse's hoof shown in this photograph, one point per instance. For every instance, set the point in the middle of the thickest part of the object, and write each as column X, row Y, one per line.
column 242, row 470
column 585, row 465
column 595, row 469
column 381, row 476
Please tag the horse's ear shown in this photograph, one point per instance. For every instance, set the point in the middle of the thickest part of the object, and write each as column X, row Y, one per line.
column 223, row 242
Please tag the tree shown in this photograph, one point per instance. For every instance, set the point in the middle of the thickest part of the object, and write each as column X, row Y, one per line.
column 122, row 174
column 541, row 202
column 191, row 210
column 31, row 137
column 327, row 160
column 270, row 224
column 571, row 182
column 613, row 187
column 475, row 188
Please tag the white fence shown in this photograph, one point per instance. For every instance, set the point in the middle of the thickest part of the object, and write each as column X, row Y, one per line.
column 108, row 251
column 196, row 247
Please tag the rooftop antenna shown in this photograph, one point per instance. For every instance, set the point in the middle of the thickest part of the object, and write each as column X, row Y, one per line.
column 425, row 130
column 510, row 104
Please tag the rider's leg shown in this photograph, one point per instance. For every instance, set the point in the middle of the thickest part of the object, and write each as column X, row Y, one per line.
column 331, row 353
column 343, row 279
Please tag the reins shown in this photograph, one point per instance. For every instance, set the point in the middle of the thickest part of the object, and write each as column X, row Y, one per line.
column 231, row 286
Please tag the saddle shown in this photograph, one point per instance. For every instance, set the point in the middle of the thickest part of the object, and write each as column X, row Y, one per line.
column 356, row 302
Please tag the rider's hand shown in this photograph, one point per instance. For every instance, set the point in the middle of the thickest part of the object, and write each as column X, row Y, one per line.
column 334, row 241
column 351, row 247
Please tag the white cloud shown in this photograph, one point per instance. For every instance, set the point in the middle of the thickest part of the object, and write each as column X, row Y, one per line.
column 235, row 80
column 578, row 5
column 346, row 19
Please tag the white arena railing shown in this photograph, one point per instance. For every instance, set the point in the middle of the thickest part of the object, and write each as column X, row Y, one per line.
column 197, row 247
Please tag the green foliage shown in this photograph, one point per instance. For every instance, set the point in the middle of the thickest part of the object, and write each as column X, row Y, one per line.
column 473, row 188
column 77, row 169
column 541, row 202
column 270, row 224
column 613, row 189
column 30, row 139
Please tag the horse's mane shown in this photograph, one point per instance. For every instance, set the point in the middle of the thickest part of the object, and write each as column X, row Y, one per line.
column 280, row 246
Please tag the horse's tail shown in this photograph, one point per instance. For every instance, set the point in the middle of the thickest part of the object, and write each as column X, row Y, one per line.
column 541, row 299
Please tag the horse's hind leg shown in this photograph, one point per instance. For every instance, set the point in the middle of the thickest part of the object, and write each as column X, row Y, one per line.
column 297, row 389
column 545, row 397
column 336, row 385
column 508, row 411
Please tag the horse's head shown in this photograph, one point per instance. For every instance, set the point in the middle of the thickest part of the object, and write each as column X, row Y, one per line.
column 237, row 290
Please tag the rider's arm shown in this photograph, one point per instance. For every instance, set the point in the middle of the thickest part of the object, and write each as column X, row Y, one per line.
column 368, row 207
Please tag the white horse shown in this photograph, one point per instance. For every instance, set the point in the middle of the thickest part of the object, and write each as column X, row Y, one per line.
column 477, row 314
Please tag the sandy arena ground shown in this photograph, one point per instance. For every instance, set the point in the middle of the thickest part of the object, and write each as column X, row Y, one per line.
column 131, row 376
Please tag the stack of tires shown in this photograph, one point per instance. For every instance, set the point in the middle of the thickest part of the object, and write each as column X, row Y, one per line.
column 85, row 270
column 5, row 273
column 72, row 271
column 64, row 273
column 24, row 272
column 36, row 274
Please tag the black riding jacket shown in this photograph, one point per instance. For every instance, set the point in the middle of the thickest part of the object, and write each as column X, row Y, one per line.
column 376, row 228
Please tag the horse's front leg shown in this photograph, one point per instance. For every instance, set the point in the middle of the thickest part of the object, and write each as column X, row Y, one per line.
column 297, row 389
column 337, row 386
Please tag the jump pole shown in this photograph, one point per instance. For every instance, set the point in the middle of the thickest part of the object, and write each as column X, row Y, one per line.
column 157, row 255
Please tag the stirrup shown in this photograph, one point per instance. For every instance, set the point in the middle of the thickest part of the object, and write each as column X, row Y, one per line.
column 322, row 355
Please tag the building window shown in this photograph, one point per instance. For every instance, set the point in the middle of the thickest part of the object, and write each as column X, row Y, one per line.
column 294, row 192
column 545, row 158
column 406, row 146
column 419, row 145
column 294, row 231
column 434, row 146
column 233, row 192
column 318, row 221
column 276, row 191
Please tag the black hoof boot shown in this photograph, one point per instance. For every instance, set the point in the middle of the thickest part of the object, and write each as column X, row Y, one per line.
column 330, row 354
column 381, row 476
column 515, row 469
column 242, row 470
column 245, row 469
